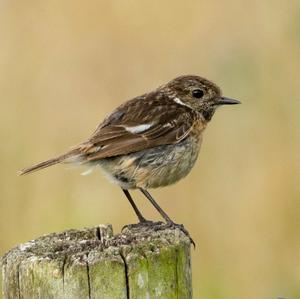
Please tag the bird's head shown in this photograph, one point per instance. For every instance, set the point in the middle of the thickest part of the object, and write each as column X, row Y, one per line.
column 199, row 94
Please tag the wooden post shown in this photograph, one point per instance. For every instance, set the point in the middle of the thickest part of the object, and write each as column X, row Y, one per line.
column 92, row 263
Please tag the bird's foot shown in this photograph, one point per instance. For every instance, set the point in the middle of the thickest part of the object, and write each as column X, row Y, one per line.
column 145, row 223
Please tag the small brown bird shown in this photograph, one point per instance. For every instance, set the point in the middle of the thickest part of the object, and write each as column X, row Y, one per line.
column 152, row 140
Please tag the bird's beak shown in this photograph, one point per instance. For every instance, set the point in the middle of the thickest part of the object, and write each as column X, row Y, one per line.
column 227, row 101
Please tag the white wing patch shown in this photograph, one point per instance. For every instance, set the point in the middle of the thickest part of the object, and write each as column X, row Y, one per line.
column 138, row 129
column 89, row 170
column 178, row 101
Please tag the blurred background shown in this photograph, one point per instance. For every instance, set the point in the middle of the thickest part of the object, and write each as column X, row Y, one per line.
column 65, row 64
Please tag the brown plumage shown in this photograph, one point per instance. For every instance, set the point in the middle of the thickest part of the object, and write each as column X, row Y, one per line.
column 152, row 140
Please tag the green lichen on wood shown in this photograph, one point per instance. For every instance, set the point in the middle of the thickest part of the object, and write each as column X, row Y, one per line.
column 76, row 282
column 137, row 271
column 184, row 271
column 92, row 264
column 153, row 266
column 162, row 272
column 10, row 275
column 41, row 278
column 107, row 274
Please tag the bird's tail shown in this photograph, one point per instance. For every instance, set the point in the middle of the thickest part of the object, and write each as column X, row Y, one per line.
column 63, row 158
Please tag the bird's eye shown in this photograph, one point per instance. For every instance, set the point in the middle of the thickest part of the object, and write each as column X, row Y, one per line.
column 197, row 93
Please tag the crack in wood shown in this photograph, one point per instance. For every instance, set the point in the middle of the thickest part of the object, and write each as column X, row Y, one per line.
column 98, row 234
column 63, row 274
column 88, row 279
column 126, row 276
column 18, row 281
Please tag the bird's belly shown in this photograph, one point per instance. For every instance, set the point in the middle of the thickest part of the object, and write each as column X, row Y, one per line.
column 154, row 167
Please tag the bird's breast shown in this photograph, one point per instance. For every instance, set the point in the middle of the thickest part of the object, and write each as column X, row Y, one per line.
column 154, row 167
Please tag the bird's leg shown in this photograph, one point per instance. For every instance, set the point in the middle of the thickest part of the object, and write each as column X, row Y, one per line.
column 142, row 220
column 156, row 206
column 170, row 222
column 136, row 210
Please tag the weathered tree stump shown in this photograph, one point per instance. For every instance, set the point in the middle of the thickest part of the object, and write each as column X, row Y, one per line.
column 92, row 263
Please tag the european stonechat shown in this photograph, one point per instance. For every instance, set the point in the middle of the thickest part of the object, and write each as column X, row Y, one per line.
column 152, row 140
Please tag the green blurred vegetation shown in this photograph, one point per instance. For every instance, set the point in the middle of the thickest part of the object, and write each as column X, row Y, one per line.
column 65, row 64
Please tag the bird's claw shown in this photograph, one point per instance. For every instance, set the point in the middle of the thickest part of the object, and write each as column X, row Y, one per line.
column 145, row 223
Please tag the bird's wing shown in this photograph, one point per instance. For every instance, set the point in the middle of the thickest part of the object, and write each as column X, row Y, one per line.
column 137, row 125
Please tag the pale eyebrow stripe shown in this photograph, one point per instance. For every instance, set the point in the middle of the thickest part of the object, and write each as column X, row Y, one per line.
column 138, row 129
column 178, row 101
